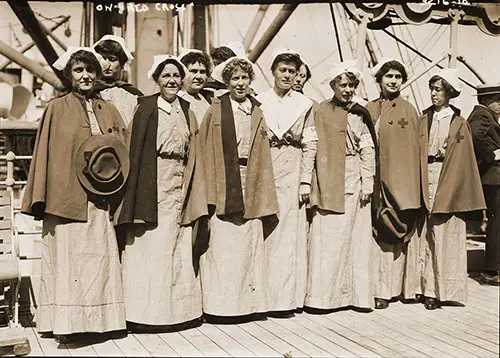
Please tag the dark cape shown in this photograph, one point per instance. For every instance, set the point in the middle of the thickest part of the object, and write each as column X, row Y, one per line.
column 459, row 189
column 53, row 186
column 221, row 163
column 140, row 203
column 328, row 181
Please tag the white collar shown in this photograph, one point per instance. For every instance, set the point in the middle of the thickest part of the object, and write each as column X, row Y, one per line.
column 447, row 112
column 167, row 107
column 282, row 112
column 245, row 106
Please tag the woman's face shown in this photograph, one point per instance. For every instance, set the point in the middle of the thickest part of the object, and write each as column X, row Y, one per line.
column 238, row 85
column 170, row 82
column 83, row 76
column 284, row 75
column 391, row 83
column 494, row 105
column 438, row 94
column 196, row 77
column 300, row 79
column 113, row 71
column 343, row 89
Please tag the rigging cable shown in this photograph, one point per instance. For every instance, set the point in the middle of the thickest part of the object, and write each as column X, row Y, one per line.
column 402, row 59
column 336, row 31
column 422, row 55
column 412, row 69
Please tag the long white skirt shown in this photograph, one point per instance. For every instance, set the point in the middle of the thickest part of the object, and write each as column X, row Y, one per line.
column 286, row 247
column 80, row 285
column 445, row 252
column 340, row 257
column 397, row 268
column 232, row 269
column 158, row 277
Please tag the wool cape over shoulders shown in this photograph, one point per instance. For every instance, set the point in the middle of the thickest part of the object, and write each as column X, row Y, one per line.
column 140, row 203
column 402, row 153
column 223, row 182
column 459, row 189
column 328, row 183
column 53, row 186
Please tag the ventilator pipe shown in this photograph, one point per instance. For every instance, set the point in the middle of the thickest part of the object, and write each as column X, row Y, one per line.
column 254, row 26
column 30, row 65
column 285, row 12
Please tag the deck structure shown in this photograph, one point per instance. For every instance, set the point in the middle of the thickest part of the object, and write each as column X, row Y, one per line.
column 402, row 330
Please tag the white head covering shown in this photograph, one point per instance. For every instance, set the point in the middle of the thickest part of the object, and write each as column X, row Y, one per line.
column 450, row 75
column 185, row 51
column 120, row 41
column 382, row 62
column 61, row 62
column 159, row 59
column 217, row 72
column 340, row 68
column 237, row 47
column 281, row 50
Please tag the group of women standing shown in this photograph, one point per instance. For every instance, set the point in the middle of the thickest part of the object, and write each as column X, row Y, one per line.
column 235, row 205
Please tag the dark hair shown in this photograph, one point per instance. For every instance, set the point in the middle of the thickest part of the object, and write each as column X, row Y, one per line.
column 162, row 65
column 308, row 71
column 351, row 77
column 110, row 47
column 390, row 66
column 221, row 54
column 195, row 56
column 449, row 91
column 81, row 56
column 486, row 99
column 228, row 71
column 288, row 58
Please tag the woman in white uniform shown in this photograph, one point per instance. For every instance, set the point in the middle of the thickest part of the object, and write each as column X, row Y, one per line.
column 289, row 117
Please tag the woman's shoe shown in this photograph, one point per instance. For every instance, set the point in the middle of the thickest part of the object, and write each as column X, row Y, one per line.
column 62, row 338
column 431, row 303
column 381, row 303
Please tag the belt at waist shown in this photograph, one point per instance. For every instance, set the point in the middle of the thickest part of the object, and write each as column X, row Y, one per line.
column 243, row 161
column 275, row 142
column 432, row 159
column 173, row 156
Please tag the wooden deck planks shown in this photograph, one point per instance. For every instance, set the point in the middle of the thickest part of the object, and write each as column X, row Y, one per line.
column 287, row 330
column 377, row 332
column 355, row 336
column 231, row 346
column 81, row 349
column 428, row 335
column 204, row 344
column 272, row 340
column 51, row 348
column 314, row 337
column 414, row 331
column 36, row 349
column 428, row 324
column 401, row 334
column 131, row 347
column 257, row 347
column 351, row 348
column 180, row 344
column 156, row 346
column 108, row 348
column 402, row 330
